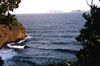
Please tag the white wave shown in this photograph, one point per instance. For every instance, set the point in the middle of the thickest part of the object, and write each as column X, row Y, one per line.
column 28, row 37
column 17, row 46
column 7, row 53
column 21, row 41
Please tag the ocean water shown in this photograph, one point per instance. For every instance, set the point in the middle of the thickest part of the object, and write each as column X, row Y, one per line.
column 51, row 39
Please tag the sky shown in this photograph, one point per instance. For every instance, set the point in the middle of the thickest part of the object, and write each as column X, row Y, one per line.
column 44, row 6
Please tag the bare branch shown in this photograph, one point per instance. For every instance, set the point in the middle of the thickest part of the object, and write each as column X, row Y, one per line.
column 92, row 3
column 88, row 3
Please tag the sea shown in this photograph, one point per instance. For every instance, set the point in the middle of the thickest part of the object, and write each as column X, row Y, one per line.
column 50, row 39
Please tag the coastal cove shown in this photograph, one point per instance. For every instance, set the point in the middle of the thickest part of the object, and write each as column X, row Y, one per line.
column 51, row 39
column 49, row 33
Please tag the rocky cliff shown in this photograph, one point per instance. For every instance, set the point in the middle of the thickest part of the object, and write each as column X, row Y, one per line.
column 9, row 34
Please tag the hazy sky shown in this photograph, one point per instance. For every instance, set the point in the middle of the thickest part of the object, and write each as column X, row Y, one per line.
column 44, row 6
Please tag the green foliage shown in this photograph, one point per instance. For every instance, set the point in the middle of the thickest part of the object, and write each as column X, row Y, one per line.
column 56, row 64
column 90, row 39
column 8, row 5
column 9, row 21
column 68, row 63
column 5, row 17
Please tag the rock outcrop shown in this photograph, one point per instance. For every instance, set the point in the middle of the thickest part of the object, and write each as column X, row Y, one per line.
column 8, row 35
column 1, row 62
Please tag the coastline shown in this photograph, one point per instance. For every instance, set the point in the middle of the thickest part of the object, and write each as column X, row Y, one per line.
column 8, row 35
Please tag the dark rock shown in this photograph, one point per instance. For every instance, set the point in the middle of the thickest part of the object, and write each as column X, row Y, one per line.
column 1, row 62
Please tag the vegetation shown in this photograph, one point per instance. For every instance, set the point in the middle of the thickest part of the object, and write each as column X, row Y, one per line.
column 5, row 17
column 90, row 39
column 67, row 63
column 8, row 5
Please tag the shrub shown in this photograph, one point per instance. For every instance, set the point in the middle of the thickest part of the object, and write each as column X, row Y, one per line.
column 90, row 39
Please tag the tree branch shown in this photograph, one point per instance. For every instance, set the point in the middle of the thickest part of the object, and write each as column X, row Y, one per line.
column 92, row 3
column 88, row 3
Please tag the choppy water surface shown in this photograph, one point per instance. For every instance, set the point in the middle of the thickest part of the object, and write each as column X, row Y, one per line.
column 51, row 39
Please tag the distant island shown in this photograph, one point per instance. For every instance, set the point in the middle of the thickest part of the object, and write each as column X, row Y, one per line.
column 55, row 11
column 60, row 11
column 76, row 11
